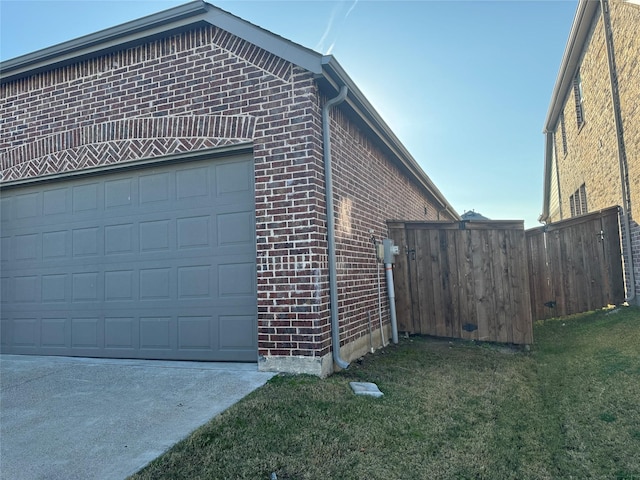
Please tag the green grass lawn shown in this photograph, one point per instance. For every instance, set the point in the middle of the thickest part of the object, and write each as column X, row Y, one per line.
column 568, row 409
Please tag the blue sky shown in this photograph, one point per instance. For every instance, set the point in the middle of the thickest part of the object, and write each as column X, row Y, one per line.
column 465, row 85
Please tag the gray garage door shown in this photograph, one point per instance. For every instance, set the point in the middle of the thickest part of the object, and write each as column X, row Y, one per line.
column 154, row 263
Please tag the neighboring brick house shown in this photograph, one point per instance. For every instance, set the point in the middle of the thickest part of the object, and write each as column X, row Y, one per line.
column 592, row 156
column 163, row 196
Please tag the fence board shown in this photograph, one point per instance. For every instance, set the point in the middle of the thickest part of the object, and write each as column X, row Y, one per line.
column 466, row 299
column 463, row 280
column 435, row 286
column 520, row 296
column 402, row 283
column 613, row 273
column 500, row 270
column 575, row 265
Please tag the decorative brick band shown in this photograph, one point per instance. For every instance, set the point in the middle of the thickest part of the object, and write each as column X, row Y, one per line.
column 151, row 51
column 122, row 141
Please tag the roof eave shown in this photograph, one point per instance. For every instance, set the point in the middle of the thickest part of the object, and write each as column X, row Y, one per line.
column 95, row 42
column 136, row 31
column 335, row 76
column 570, row 60
column 564, row 82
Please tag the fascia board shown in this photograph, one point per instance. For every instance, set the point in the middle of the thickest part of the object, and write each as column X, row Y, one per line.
column 104, row 40
column 177, row 18
column 570, row 60
column 275, row 44
column 335, row 74
column 564, row 82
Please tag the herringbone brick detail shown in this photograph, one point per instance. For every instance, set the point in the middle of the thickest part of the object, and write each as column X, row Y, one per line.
column 109, row 153
column 113, row 141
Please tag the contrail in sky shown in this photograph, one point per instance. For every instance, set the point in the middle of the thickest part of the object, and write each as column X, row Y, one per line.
column 329, row 28
column 355, row 2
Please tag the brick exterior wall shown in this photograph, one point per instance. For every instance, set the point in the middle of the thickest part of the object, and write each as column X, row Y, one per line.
column 592, row 152
column 204, row 89
column 368, row 190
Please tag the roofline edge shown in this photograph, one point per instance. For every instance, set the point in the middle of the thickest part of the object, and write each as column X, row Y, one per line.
column 97, row 41
column 335, row 74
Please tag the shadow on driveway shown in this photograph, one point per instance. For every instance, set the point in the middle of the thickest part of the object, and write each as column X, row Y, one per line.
column 78, row 418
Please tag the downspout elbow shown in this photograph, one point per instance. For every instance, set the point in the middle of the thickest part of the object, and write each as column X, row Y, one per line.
column 331, row 240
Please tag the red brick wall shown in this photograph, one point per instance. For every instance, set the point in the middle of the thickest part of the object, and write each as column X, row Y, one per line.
column 369, row 190
column 204, row 89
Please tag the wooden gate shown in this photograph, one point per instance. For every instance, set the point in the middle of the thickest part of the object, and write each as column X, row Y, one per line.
column 575, row 265
column 463, row 280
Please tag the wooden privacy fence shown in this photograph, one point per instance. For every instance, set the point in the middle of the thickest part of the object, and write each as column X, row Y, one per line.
column 463, row 280
column 575, row 265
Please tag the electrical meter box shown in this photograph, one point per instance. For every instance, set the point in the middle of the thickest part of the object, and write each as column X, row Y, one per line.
column 390, row 251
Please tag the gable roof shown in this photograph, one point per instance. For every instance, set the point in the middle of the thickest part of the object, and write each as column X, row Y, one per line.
column 473, row 215
column 576, row 44
column 329, row 73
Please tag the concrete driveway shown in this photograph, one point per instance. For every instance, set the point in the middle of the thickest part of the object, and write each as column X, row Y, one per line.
column 79, row 418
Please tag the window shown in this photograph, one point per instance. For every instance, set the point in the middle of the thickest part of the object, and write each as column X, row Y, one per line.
column 579, row 98
column 578, row 201
column 583, row 199
column 564, row 134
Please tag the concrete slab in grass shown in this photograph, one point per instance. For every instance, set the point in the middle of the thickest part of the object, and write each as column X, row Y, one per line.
column 366, row 388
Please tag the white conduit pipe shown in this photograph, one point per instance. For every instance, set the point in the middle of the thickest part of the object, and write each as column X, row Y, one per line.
column 375, row 253
column 384, row 343
column 388, row 267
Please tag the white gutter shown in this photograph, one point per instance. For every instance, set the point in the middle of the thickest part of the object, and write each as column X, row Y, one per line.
column 564, row 83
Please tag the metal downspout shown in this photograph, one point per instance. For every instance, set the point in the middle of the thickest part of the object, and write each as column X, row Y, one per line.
column 617, row 116
column 331, row 240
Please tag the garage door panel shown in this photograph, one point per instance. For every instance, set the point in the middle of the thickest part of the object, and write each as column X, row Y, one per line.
column 26, row 205
column 120, row 333
column 195, row 332
column 55, row 288
column 120, row 239
column 55, row 333
column 5, row 249
column 55, row 201
column 25, row 332
column 56, row 245
column 233, row 180
column 5, row 289
column 120, row 285
column 193, row 182
column 236, row 332
column 26, row 289
column 152, row 334
column 86, row 332
column 133, row 264
column 120, row 194
column 26, row 246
